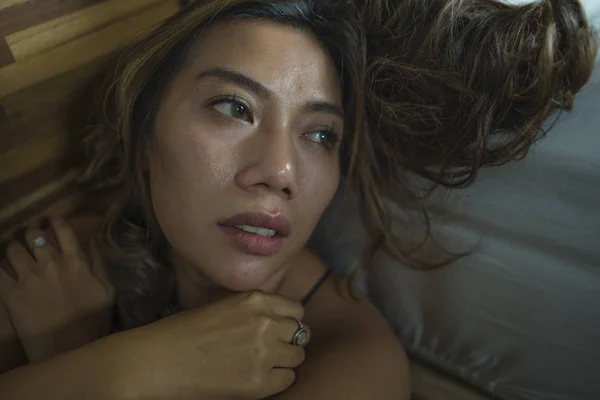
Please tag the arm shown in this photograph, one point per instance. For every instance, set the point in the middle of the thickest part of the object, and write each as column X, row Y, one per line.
column 353, row 353
column 90, row 372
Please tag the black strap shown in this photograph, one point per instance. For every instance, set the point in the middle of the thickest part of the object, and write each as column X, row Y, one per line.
column 307, row 297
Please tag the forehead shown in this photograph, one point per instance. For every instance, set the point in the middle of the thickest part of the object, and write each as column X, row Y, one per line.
column 285, row 59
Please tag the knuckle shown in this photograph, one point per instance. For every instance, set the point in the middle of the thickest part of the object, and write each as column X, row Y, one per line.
column 264, row 325
column 256, row 299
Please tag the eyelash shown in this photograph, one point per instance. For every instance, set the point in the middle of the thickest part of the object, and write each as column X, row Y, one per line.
column 333, row 140
column 234, row 100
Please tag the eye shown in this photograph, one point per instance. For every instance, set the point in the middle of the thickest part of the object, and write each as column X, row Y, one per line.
column 233, row 108
column 326, row 138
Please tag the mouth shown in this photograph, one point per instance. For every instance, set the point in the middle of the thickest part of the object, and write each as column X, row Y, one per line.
column 268, row 233
column 257, row 233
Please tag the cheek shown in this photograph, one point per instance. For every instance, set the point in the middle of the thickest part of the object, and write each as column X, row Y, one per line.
column 183, row 172
column 190, row 160
column 320, row 186
column 175, row 166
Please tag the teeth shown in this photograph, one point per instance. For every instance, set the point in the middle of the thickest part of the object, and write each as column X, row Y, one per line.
column 259, row 231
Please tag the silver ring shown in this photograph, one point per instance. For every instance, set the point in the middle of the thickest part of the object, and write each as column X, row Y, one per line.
column 39, row 241
column 300, row 336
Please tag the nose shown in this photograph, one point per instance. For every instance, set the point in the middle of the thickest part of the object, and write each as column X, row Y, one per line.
column 271, row 165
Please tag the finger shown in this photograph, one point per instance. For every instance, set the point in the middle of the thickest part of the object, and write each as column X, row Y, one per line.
column 6, row 281
column 67, row 241
column 277, row 305
column 286, row 329
column 287, row 356
column 279, row 379
column 43, row 254
column 20, row 259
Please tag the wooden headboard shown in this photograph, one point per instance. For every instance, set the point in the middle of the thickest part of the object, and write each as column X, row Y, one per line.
column 49, row 49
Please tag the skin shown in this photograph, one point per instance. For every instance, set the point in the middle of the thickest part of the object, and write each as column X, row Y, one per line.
column 208, row 162
column 205, row 166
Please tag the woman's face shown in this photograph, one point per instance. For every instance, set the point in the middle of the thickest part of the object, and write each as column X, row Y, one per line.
column 244, row 158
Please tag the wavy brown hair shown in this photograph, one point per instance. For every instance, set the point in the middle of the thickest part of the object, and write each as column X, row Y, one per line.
column 436, row 89
column 457, row 85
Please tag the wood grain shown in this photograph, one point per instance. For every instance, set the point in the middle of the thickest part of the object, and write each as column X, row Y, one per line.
column 78, row 52
column 8, row 3
column 6, row 55
column 49, row 51
column 45, row 36
column 25, row 14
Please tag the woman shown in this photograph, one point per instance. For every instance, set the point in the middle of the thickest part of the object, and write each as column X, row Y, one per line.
column 232, row 124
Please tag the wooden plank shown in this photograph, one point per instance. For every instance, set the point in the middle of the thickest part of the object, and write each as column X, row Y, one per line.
column 25, row 14
column 17, row 133
column 8, row 3
column 6, row 55
column 14, row 190
column 76, row 53
column 52, row 143
column 50, row 96
column 36, row 196
column 45, row 36
column 3, row 117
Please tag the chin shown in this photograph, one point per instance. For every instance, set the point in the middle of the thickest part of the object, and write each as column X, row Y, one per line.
column 247, row 277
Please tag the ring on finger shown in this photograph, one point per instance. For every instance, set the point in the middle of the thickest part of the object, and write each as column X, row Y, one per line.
column 300, row 337
column 39, row 242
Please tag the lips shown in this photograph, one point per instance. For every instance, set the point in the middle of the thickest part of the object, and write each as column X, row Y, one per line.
column 279, row 223
column 253, row 243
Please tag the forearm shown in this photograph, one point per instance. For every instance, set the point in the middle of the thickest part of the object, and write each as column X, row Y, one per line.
column 90, row 372
column 77, row 333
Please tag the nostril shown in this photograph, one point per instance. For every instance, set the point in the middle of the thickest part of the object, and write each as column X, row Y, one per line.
column 287, row 191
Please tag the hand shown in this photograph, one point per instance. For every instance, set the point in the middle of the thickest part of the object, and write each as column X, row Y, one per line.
column 56, row 303
column 237, row 348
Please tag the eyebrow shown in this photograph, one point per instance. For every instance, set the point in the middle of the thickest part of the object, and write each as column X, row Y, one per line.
column 237, row 78
column 320, row 106
column 261, row 90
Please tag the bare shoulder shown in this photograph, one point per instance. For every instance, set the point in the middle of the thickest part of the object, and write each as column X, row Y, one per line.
column 336, row 306
column 346, row 325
